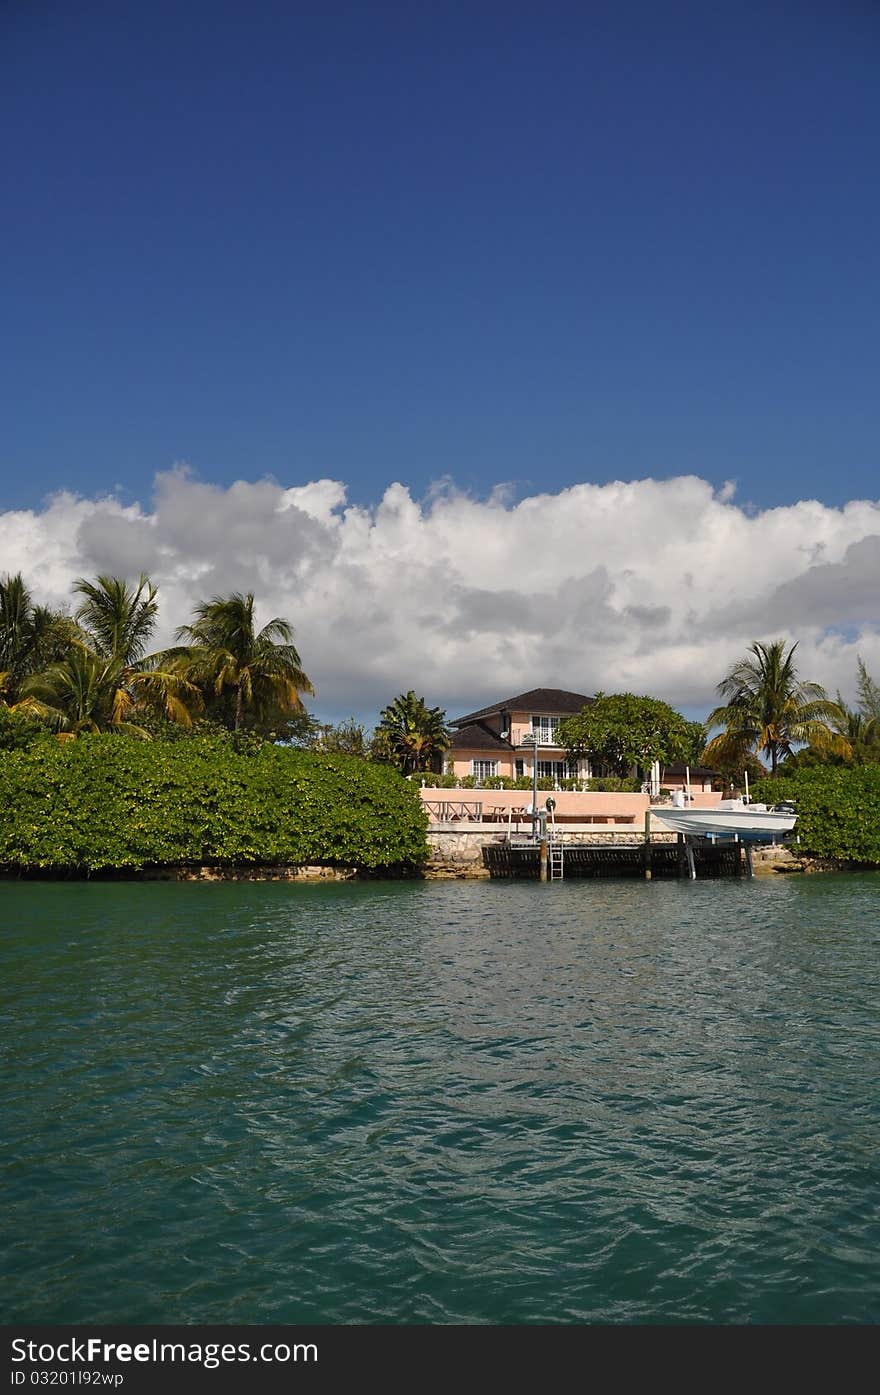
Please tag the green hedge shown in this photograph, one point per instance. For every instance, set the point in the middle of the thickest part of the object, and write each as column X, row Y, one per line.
column 838, row 809
column 604, row 783
column 110, row 802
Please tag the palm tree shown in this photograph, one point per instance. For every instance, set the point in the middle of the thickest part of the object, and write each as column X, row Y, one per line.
column 31, row 636
column 259, row 670
column 416, row 734
column 118, row 619
column 84, row 692
column 769, row 709
column 859, row 727
column 87, row 692
column 94, row 676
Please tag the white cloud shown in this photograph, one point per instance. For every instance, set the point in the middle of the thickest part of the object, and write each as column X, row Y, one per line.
column 654, row 586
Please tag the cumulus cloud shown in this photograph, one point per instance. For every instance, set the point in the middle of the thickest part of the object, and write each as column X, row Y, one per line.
column 653, row 586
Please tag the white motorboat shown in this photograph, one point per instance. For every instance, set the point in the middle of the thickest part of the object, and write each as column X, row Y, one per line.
column 749, row 822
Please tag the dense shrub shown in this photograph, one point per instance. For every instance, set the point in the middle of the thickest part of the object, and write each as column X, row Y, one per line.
column 18, row 732
column 615, row 784
column 605, row 783
column 838, row 809
column 106, row 802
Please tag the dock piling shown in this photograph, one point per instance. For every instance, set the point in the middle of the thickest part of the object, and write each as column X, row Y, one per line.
column 692, row 866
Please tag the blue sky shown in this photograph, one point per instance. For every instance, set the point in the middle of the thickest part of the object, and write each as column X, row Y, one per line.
column 497, row 242
column 458, row 246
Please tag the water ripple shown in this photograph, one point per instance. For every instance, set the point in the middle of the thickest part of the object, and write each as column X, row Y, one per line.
column 442, row 1102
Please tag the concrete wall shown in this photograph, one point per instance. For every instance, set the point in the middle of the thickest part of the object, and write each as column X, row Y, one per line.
column 571, row 807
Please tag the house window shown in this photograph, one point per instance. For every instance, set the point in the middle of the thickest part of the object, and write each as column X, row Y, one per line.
column 484, row 769
column 546, row 729
column 519, row 769
column 557, row 770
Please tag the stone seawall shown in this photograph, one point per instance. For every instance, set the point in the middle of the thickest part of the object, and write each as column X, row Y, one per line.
column 458, row 851
column 767, row 860
column 455, row 855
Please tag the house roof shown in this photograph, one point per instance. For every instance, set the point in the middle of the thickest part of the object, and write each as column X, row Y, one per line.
column 679, row 768
column 547, row 702
column 477, row 737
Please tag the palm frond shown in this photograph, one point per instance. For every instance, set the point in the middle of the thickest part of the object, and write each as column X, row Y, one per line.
column 118, row 618
column 238, row 668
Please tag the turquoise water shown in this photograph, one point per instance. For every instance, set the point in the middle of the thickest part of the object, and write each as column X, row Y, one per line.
column 441, row 1102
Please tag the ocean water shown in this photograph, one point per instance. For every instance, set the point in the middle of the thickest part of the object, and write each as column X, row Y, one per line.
column 441, row 1102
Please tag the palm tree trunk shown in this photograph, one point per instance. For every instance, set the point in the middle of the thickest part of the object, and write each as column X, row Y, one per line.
column 238, row 707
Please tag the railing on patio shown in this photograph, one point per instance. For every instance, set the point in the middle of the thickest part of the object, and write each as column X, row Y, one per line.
column 451, row 810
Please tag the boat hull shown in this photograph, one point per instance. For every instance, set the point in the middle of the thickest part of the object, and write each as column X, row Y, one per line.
column 746, row 823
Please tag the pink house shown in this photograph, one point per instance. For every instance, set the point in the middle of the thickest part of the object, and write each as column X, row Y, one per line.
column 498, row 740
column 507, row 737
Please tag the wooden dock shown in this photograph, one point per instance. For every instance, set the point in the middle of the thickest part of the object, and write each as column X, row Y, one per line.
column 645, row 860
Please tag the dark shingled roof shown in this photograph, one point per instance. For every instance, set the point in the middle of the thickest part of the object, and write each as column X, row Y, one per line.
column 545, row 702
column 678, row 768
column 477, row 737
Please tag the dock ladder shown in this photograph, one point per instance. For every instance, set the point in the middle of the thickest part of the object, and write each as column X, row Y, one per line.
column 556, row 851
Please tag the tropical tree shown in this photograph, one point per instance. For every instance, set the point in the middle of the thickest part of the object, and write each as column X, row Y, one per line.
column 346, row 738
column 118, row 619
column 860, row 732
column 18, row 729
column 246, row 675
column 769, row 709
column 696, row 742
column 859, row 728
column 414, row 734
column 868, row 694
column 734, row 764
column 87, row 692
column 91, row 674
column 31, row 636
column 84, row 692
column 619, row 731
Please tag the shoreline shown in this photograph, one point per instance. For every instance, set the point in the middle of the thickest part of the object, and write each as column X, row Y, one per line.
column 769, row 862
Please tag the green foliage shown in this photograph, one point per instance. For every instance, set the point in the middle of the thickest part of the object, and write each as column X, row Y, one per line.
column 608, row 783
column 380, row 748
column 348, row 737
column 246, row 742
column 696, row 743
column 611, row 784
column 859, row 727
column 19, row 730
column 117, row 618
column 244, row 674
column 31, row 636
column 868, row 693
column 109, row 802
column 838, row 809
column 414, row 735
column 770, row 709
column 732, row 766
column 621, row 730
column 433, row 781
